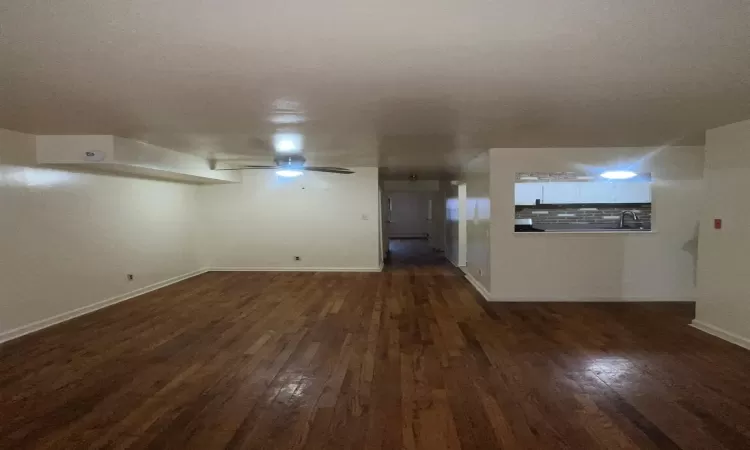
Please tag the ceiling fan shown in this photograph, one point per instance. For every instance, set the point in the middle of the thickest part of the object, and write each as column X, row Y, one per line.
column 288, row 162
column 290, row 166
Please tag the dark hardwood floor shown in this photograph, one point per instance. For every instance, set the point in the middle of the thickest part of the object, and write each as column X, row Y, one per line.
column 410, row 358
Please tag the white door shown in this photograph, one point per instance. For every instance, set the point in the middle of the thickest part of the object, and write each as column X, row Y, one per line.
column 408, row 214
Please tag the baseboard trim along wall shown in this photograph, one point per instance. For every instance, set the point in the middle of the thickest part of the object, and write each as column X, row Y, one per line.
column 478, row 286
column 59, row 318
column 721, row 333
column 296, row 269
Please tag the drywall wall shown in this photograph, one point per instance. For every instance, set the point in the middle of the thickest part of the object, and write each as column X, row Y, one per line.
column 330, row 221
column 565, row 267
column 724, row 265
column 67, row 239
column 478, row 215
column 411, row 185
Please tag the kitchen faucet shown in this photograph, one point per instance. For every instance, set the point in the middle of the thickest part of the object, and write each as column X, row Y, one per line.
column 622, row 217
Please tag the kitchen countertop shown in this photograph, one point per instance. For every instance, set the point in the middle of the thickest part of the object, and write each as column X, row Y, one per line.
column 607, row 228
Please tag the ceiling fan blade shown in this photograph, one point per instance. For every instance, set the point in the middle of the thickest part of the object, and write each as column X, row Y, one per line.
column 339, row 170
column 243, row 167
column 262, row 144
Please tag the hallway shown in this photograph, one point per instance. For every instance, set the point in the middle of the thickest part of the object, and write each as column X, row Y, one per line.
column 414, row 253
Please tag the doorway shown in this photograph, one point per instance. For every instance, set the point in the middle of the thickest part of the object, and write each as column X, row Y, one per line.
column 410, row 229
column 455, row 224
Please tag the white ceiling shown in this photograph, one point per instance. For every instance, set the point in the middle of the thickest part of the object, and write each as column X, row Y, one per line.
column 421, row 83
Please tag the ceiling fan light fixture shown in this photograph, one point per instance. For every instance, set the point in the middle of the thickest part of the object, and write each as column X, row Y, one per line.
column 287, row 119
column 287, row 142
column 289, row 173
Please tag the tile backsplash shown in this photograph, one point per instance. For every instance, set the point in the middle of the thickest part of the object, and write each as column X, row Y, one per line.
column 565, row 214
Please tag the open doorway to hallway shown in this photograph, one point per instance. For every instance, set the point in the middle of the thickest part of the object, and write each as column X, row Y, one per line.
column 418, row 222
column 409, row 215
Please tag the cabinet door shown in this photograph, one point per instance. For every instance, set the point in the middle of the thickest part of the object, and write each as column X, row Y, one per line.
column 528, row 193
column 597, row 192
column 561, row 193
column 633, row 192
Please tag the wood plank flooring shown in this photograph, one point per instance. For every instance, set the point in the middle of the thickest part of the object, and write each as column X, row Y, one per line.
column 406, row 359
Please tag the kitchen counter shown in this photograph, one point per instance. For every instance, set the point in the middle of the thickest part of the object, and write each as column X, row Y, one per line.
column 607, row 228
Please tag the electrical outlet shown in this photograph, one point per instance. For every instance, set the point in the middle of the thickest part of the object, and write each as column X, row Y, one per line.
column 130, row 277
column 296, row 258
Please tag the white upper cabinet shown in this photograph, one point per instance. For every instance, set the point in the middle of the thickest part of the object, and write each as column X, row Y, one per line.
column 597, row 192
column 561, row 193
column 594, row 192
column 528, row 193
column 632, row 192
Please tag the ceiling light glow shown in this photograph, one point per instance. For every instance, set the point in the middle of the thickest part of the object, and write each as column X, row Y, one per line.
column 288, row 173
column 287, row 142
column 286, row 146
column 619, row 174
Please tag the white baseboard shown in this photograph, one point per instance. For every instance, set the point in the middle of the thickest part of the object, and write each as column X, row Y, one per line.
column 721, row 333
column 296, row 269
column 593, row 299
column 478, row 286
column 44, row 323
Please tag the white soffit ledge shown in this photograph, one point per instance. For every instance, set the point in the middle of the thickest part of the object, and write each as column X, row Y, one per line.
column 123, row 156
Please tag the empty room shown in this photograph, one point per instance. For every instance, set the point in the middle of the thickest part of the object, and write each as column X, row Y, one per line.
column 374, row 225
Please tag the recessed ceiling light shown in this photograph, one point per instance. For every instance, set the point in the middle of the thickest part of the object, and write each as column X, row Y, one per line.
column 288, row 173
column 618, row 174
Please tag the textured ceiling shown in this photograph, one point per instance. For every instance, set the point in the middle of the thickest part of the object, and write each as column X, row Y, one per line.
column 418, row 84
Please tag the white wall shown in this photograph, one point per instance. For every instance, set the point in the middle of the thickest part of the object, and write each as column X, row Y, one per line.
column 724, row 265
column 330, row 221
column 546, row 266
column 67, row 240
column 411, row 186
column 478, row 225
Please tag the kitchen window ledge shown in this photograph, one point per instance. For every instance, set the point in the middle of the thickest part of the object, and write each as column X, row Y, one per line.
column 587, row 233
